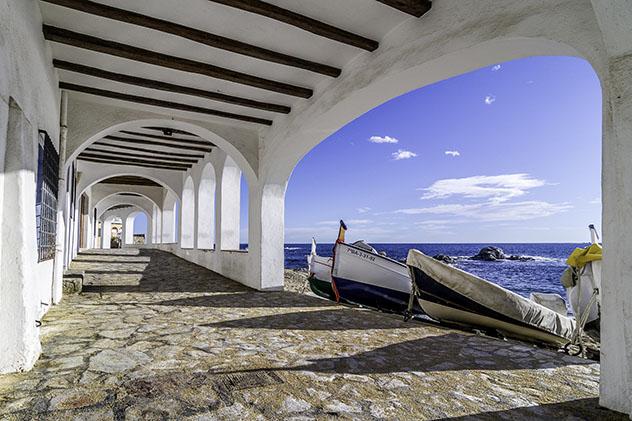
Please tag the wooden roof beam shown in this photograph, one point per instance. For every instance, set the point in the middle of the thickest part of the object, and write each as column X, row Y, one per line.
column 196, row 35
column 417, row 8
column 153, row 151
column 169, row 87
column 162, row 104
column 155, row 143
column 116, row 157
column 115, row 162
column 129, row 52
column 301, row 21
column 131, row 180
column 138, row 155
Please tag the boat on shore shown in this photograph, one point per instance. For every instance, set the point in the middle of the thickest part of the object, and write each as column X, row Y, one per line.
column 449, row 294
column 320, row 274
column 362, row 276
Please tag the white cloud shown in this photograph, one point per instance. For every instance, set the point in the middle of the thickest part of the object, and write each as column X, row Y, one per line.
column 402, row 154
column 359, row 221
column 595, row 201
column 493, row 211
column 490, row 99
column 497, row 188
column 331, row 222
column 453, row 153
column 383, row 139
column 496, row 68
column 363, row 209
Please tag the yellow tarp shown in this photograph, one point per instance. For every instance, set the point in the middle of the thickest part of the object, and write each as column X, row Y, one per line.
column 579, row 257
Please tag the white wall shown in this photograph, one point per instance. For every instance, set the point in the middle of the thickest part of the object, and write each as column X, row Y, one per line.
column 27, row 77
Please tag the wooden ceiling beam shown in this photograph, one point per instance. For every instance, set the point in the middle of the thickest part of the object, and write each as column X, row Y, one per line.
column 115, row 162
column 133, row 160
column 129, row 52
column 169, row 87
column 196, row 35
column 153, row 151
column 130, row 180
column 155, row 143
column 417, row 8
column 160, row 103
column 301, row 21
column 175, row 139
column 138, row 155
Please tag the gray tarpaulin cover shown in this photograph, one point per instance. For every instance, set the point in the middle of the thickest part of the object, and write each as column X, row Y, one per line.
column 493, row 296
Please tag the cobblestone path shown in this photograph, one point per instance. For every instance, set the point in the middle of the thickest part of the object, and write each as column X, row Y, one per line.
column 155, row 337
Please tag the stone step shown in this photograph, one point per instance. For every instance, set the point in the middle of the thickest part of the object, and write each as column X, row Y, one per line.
column 73, row 281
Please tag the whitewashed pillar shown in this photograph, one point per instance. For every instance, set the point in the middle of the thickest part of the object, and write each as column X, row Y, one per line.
column 19, row 306
column 230, row 206
column 266, row 235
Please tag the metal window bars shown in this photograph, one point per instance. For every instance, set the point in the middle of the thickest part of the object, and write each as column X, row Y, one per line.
column 46, row 199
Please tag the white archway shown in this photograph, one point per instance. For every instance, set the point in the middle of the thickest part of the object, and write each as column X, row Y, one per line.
column 130, row 223
column 187, row 215
column 206, row 209
column 82, row 137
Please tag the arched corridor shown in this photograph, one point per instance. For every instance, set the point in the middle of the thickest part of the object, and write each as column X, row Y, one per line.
column 106, row 110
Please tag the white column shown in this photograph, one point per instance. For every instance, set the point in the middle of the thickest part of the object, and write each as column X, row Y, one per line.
column 106, row 233
column 19, row 304
column 58, row 269
column 128, row 231
column 614, row 17
column 230, row 207
column 168, row 225
column 266, row 235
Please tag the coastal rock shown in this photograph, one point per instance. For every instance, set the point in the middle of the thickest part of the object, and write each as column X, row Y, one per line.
column 521, row 258
column 490, row 254
column 444, row 258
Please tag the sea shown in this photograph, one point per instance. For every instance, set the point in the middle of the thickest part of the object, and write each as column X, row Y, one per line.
column 542, row 274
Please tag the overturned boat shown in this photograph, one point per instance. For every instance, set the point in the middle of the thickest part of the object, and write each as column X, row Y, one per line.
column 449, row 294
column 320, row 274
column 362, row 276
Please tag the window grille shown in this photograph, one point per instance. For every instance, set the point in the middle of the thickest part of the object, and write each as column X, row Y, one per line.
column 46, row 200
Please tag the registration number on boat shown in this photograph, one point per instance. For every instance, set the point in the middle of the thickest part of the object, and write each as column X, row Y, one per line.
column 361, row 254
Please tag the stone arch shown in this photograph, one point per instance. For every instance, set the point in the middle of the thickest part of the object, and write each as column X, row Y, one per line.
column 187, row 214
column 206, row 208
column 83, row 137
column 336, row 108
column 100, row 173
column 144, row 196
column 129, row 226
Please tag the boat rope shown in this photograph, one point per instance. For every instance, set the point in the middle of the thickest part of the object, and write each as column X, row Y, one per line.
column 408, row 314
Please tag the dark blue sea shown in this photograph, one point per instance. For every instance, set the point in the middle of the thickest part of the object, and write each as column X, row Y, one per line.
column 523, row 277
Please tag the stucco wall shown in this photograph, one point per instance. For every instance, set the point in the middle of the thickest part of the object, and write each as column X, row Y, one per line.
column 27, row 77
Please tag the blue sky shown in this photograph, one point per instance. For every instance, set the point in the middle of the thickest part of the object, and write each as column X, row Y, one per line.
column 507, row 153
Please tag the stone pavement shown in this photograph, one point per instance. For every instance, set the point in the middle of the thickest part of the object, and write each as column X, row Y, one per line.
column 156, row 337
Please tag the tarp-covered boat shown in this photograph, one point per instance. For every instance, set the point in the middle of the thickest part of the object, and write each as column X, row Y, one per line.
column 320, row 274
column 449, row 294
column 362, row 276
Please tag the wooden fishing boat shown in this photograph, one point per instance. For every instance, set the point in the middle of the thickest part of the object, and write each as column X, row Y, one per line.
column 449, row 294
column 320, row 274
column 362, row 276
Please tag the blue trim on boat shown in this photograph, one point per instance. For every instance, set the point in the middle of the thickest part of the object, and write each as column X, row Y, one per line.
column 373, row 296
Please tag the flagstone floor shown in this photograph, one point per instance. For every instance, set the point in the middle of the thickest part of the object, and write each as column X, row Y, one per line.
column 156, row 337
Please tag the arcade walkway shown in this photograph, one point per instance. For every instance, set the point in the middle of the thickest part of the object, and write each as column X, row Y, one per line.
column 154, row 336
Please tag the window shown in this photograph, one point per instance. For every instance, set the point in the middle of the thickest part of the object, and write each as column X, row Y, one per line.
column 46, row 199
